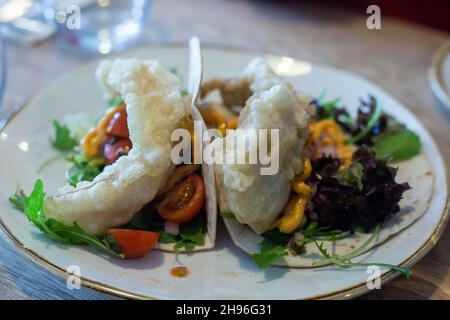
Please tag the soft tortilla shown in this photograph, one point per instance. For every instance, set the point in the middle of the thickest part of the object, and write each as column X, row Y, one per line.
column 210, row 204
column 416, row 171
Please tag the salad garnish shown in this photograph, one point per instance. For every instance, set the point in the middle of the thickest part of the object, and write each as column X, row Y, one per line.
column 365, row 193
column 33, row 207
column 63, row 141
column 189, row 236
column 344, row 261
column 138, row 236
column 372, row 128
column 346, row 185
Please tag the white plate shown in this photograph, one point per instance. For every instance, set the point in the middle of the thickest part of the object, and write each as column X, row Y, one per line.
column 225, row 272
column 439, row 74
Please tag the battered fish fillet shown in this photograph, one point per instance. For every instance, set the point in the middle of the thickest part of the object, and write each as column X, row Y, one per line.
column 257, row 200
column 154, row 108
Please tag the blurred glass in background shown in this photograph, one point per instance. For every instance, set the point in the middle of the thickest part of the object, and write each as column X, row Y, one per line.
column 104, row 26
column 96, row 26
column 27, row 21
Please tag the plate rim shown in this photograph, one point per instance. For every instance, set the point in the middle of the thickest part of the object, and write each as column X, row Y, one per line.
column 345, row 293
column 435, row 75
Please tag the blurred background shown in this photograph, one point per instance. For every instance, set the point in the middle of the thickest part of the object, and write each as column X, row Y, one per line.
column 51, row 36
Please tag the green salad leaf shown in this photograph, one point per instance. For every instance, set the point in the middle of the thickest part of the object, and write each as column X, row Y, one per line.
column 191, row 235
column 184, row 93
column 33, row 207
column 63, row 139
column 344, row 261
column 352, row 176
column 167, row 238
column 18, row 199
column 273, row 247
column 275, row 243
column 116, row 102
column 270, row 252
column 313, row 232
column 83, row 168
column 401, row 145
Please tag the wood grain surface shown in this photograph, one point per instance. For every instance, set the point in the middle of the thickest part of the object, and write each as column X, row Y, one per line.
column 396, row 57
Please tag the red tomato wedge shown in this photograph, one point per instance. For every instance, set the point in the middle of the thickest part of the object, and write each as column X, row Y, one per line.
column 112, row 152
column 134, row 243
column 118, row 125
column 184, row 201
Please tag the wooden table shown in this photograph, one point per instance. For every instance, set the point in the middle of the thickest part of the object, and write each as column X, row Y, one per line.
column 396, row 57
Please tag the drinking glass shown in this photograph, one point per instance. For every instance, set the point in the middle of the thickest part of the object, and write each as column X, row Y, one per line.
column 27, row 21
column 105, row 25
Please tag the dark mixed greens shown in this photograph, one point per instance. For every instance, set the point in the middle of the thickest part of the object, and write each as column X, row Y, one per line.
column 364, row 194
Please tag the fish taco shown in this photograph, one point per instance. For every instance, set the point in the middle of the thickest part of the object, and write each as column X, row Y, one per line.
column 344, row 185
column 125, row 195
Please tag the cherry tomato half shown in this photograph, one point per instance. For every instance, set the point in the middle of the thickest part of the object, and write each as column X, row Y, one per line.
column 112, row 152
column 184, row 201
column 134, row 243
column 118, row 125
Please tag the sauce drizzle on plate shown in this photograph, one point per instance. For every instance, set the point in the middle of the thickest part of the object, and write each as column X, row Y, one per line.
column 179, row 272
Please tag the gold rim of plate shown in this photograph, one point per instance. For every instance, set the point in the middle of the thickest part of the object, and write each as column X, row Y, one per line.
column 435, row 75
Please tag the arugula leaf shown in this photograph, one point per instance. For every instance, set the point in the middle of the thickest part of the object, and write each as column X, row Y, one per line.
column 344, row 261
column 33, row 207
column 323, row 250
column 270, row 252
column 18, row 199
column 63, row 140
column 191, row 235
column 312, row 232
column 273, row 246
column 352, row 176
column 34, row 203
column 165, row 237
column 401, row 145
